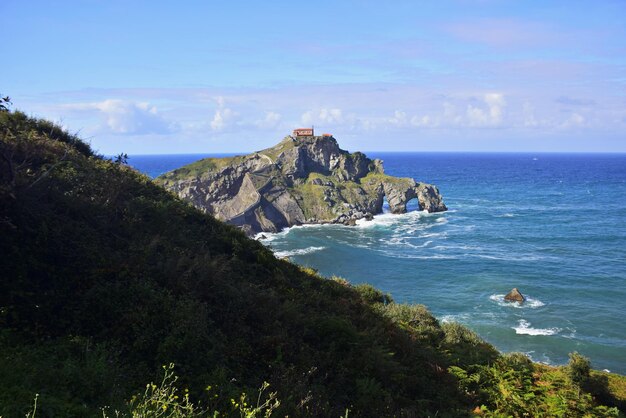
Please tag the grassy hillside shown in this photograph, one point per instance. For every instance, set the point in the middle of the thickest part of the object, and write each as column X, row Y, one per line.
column 106, row 277
column 198, row 168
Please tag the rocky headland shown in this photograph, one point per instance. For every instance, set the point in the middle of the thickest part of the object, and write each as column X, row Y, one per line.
column 298, row 181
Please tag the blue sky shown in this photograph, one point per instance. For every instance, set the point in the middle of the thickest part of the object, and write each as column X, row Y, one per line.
column 184, row 77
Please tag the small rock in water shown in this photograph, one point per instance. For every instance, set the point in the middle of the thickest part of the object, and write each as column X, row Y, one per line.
column 514, row 296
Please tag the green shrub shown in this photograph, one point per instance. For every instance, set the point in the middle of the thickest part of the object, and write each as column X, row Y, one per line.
column 371, row 295
column 515, row 387
column 578, row 369
column 163, row 400
column 465, row 347
column 416, row 319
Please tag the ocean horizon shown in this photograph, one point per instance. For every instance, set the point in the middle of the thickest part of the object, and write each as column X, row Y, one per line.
column 551, row 224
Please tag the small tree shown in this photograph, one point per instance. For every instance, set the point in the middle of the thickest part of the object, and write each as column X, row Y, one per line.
column 121, row 158
column 578, row 369
column 5, row 103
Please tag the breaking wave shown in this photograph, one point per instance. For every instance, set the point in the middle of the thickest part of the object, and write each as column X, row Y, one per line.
column 300, row 251
column 524, row 328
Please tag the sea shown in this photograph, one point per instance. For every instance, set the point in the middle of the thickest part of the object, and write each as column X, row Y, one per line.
column 551, row 225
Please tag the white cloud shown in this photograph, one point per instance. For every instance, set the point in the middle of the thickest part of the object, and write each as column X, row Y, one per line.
column 125, row 118
column 221, row 101
column 324, row 115
column 331, row 115
column 270, row 121
column 399, row 119
column 424, row 121
column 490, row 114
column 223, row 118
column 253, row 119
column 450, row 114
column 528, row 112
column 575, row 120
column 307, row 117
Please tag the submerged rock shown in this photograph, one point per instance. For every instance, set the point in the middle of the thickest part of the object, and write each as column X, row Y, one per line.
column 514, row 296
column 300, row 180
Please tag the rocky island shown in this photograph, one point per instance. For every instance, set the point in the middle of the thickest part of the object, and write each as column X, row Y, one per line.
column 303, row 179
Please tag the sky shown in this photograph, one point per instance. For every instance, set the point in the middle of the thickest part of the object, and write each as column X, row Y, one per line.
column 148, row 77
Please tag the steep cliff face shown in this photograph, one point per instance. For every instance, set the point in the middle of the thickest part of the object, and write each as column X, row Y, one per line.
column 303, row 180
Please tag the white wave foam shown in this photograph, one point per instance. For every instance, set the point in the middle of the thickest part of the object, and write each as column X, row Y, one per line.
column 458, row 247
column 433, row 235
column 506, row 215
column 300, row 251
column 529, row 303
column 571, row 335
column 388, row 219
column 271, row 236
column 385, row 219
column 524, row 328
column 393, row 254
column 512, row 257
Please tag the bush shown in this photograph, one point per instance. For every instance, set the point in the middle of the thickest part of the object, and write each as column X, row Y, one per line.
column 371, row 295
column 465, row 347
column 578, row 369
column 416, row 319
column 5, row 103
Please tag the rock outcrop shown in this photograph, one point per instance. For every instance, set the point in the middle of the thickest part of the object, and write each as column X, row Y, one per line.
column 298, row 181
column 514, row 296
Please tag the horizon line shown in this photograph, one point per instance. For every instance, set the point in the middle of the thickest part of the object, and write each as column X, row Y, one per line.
column 393, row 152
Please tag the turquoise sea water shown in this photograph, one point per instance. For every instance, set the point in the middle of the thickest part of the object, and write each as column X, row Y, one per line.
column 552, row 225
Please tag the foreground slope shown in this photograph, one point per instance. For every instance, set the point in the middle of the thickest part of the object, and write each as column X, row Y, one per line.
column 106, row 276
column 300, row 180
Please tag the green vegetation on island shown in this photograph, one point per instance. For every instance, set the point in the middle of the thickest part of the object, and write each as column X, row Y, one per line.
column 106, row 277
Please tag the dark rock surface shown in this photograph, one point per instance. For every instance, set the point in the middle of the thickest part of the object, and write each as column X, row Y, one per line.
column 514, row 296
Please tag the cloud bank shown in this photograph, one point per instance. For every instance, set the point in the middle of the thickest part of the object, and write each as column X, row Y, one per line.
column 364, row 117
column 120, row 117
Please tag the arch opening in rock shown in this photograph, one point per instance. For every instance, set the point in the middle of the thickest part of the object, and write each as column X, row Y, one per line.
column 386, row 208
column 413, row 205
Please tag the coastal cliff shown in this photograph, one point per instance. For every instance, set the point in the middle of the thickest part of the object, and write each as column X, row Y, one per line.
column 300, row 180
